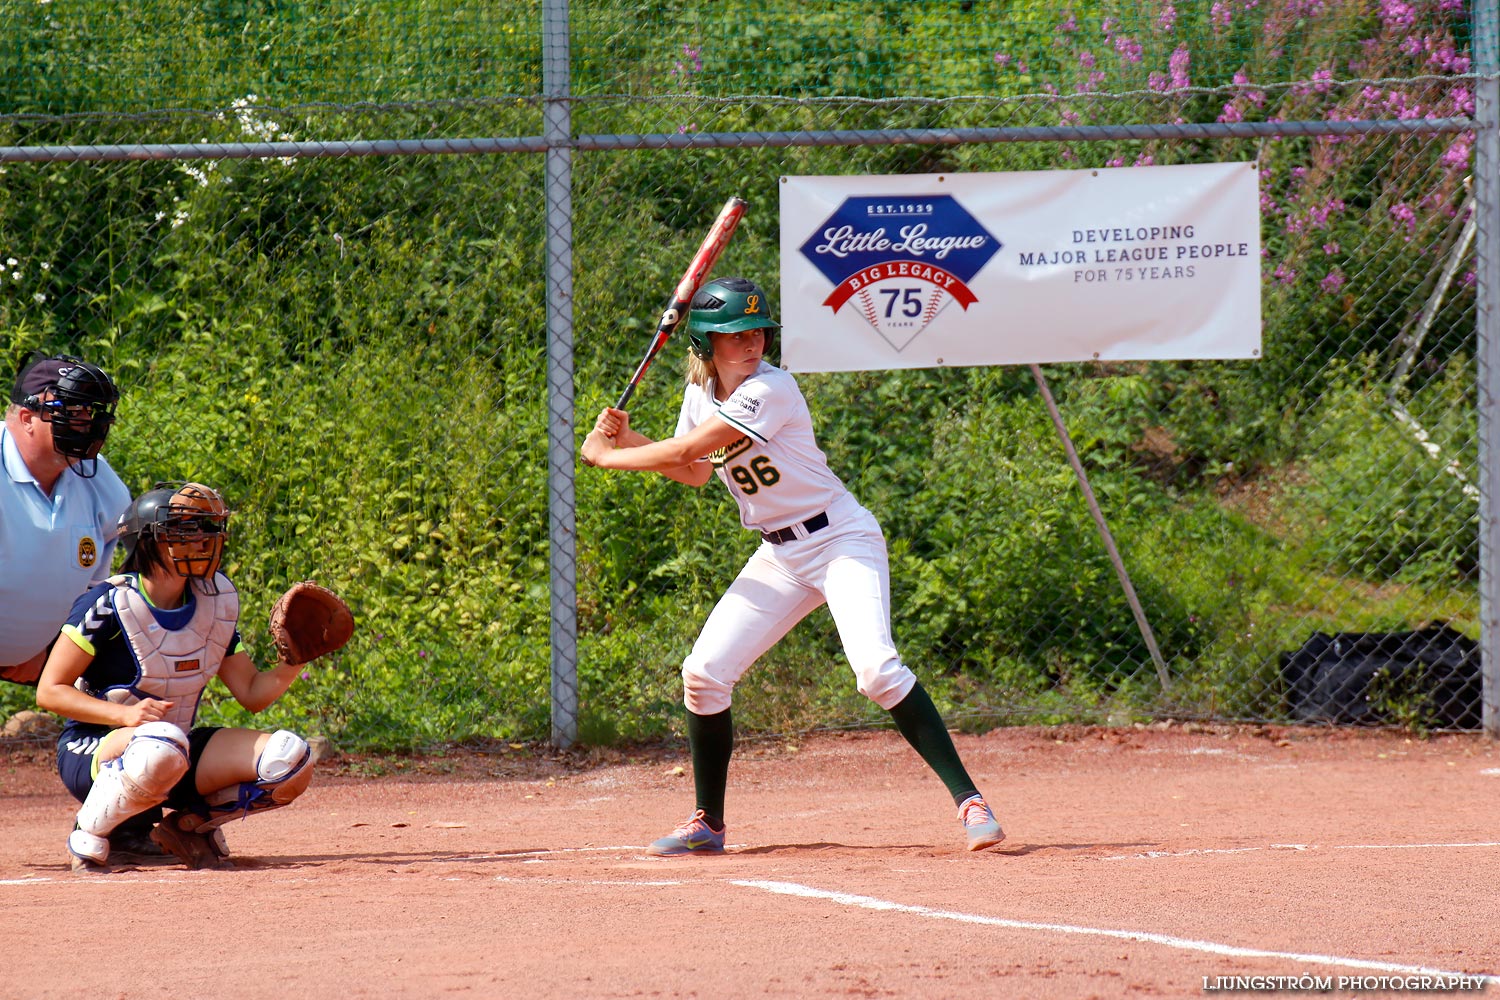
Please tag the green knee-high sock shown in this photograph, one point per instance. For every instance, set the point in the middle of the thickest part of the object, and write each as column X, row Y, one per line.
column 918, row 720
column 711, row 740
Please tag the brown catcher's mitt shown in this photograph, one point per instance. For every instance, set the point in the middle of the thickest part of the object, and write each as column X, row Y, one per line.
column 309, row 621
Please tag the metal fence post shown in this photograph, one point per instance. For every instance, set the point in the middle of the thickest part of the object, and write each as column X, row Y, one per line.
column 1487, row 263
column 563, row 550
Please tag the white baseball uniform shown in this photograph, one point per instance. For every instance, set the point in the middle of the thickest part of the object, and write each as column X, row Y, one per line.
column 820, row 545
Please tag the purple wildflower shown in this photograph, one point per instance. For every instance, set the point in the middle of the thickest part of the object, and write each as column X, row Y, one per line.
column 1397, row 14
column 1406, row 215
column 1179, row 64
column 1321, row 213
column 1448, row 60
column 1456, row 156
column 695, row 62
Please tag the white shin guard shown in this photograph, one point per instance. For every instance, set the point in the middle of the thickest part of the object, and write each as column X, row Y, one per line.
column 89, row 846
column 284, row 769
column 154, row 760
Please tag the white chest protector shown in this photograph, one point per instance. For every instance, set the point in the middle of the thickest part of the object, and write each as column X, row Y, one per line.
column 175, row 664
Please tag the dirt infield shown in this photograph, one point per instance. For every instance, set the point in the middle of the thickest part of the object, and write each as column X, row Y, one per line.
column 1152, row 862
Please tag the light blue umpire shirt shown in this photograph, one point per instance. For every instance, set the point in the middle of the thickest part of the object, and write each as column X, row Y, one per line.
column 51, row 548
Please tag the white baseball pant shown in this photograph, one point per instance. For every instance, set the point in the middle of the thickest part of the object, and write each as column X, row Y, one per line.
column 844, row 565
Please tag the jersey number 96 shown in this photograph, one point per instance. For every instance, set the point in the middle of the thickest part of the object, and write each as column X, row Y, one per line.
column 759, row 472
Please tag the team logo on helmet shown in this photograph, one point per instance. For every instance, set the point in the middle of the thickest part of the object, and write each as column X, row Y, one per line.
column 728, row 305
column 900, row 261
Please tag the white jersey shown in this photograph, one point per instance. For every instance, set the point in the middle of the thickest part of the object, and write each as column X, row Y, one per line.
column 776, row 473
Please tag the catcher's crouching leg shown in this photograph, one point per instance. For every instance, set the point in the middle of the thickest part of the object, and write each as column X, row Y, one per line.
column 284, row 769
column 154, row 760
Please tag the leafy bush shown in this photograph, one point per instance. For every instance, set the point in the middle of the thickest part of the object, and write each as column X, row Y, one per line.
column 357, row 350
column 1385, row 493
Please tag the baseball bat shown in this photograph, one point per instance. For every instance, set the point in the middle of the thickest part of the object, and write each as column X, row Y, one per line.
column 692, row 279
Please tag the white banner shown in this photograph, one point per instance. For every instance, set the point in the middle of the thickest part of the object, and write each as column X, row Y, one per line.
column 930, row 270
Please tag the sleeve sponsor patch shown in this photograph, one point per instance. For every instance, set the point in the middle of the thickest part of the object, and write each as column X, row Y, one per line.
column 750, row 404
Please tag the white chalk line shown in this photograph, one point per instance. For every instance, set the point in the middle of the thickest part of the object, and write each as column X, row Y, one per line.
column 1199, row 851
column 632, row 882
column 1145, row 937
column 544, row 852
column 872, row 903
column 1408, row 847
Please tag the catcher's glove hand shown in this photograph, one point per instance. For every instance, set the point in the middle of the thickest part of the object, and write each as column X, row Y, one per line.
column 309, row 621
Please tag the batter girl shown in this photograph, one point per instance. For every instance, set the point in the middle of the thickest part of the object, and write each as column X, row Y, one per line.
column 748, row 422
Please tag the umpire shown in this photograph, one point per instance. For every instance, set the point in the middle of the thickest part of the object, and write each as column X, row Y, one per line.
column 59, row 501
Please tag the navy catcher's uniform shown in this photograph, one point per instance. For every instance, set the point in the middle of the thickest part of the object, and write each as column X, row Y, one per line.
column 126, row 671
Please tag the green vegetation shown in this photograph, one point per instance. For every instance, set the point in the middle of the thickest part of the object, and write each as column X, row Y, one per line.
column 355, row 350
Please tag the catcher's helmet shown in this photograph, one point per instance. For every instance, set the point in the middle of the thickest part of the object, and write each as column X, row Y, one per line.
column 187, row 523
column 728, row 305
column 81, row 407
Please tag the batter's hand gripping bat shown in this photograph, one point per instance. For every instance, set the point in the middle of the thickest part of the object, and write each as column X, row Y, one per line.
column 697, row 272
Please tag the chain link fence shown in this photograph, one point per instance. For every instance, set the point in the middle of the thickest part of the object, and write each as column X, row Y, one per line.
column 371, row 269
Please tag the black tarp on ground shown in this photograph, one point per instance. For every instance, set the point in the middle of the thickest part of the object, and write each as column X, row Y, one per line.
column 1429, row 677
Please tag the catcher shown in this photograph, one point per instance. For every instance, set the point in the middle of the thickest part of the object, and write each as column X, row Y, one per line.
column 132, row 663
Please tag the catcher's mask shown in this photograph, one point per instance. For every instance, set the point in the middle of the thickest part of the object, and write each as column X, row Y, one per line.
column 728, row 305
column 77, row 398
column 187, row 524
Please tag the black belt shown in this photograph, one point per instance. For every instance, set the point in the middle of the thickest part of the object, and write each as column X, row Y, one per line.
column 816, row 523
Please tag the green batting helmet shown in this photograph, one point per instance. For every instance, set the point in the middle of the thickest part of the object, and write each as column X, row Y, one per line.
column 728, row 305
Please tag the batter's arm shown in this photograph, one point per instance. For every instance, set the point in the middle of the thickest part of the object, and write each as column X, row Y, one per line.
column 679, row 458
column 613, row 431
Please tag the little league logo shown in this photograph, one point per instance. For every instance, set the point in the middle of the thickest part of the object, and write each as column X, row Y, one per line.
column 900, row 260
